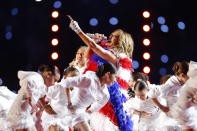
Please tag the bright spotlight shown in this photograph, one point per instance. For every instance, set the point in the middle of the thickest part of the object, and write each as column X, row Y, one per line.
column 55, row 14
column 54, row 56
column 164, row 28
column 146, row 42
column 55, row 28
column 113, row 21
column 181, row 25
column 161, row 20
column 57, row 4
column 54, row 42
column 146, row 28
column 146, row 56
column 146, row 14
column 164, row 58
column 93, row 22
column 146, row 69
column 135, row 64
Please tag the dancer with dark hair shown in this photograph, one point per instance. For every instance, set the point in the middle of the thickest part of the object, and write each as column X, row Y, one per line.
column 92, row 91
column 33, row 86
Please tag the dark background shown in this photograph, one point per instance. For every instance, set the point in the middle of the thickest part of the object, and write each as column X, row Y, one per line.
column 31, row 32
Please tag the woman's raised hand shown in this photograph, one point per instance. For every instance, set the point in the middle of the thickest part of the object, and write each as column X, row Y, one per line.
column 74, row 25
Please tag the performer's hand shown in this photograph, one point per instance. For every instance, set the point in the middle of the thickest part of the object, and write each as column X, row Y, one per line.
column 75, row 27
column 97, row 37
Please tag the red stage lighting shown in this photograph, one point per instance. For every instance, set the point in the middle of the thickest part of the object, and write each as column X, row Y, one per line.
column 146, row 14
column 54, row 56
column 146, row 28
column 146, row 56
column 55, row 28
column 146, row 69
column 146, row 42
column 54, row 42
column 55, row 14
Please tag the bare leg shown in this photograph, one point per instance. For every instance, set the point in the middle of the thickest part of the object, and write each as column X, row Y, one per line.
column 83, row 126
column 53, row 128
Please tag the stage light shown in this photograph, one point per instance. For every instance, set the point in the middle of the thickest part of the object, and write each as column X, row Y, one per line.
column 38, row 0
column 113, row 21
column 146, row 42
column 146, row 28
column 164, row 58
column 113, row 1
column 161, row 20
column 93, row 22
column 8, row 35
column 14, row 11
column 54, row 56
column 164, row 28
column 181, row 25
column 146, row 56
column 146, row 69
column 162, row 71
column 146, row 14
column 55, row 28
column 54, row 42
column 57, row 4
column 55, row 14
column 135, row 64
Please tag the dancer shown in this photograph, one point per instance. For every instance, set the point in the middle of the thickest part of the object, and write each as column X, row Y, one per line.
column 33, row 86
column 173, row 86
column 91, row 91
column 80, row 61
column 136, row 76
column 184, row 109
column 120, row 49
column 144, row 108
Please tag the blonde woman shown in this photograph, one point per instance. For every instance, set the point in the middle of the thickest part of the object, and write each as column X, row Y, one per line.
column 120, row 51
column 80, row 60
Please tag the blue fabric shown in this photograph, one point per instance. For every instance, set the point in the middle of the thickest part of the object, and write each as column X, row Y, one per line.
column 117, row 99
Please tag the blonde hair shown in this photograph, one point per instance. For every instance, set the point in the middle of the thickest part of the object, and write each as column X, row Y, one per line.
column 125, row 43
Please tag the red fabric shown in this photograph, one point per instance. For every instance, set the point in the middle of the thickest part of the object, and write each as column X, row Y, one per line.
column 122, row 83
column 91, row 66
column 126, row 64
column 108, row 111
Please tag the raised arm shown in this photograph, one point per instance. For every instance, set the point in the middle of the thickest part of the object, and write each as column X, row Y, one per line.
column 107, row 55
column 78, row 81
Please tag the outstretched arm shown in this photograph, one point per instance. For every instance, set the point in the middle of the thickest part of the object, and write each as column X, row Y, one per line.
column 107, row 55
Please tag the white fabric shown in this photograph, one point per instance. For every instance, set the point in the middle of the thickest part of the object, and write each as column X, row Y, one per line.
column 90, row 91
column 191, row 114
column 48, row 120
column 81, row 70
column 169, row 91
column 178, row 110
column 87, row 91
column 74, row 26
column 32, row 86
column 6, row 99
column 147, row 106
column 99, row 122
